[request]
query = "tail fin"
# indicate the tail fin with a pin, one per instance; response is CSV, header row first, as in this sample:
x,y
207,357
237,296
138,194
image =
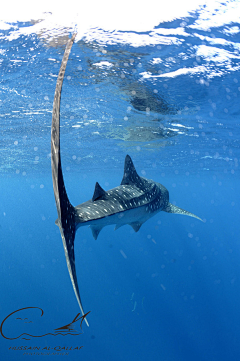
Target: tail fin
x,y
174,209
65,210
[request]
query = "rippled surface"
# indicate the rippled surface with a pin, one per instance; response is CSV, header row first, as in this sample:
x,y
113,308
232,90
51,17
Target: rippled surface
x,y
172,91
161,83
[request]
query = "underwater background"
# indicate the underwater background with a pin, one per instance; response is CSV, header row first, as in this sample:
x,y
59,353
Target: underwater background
x,y
160,83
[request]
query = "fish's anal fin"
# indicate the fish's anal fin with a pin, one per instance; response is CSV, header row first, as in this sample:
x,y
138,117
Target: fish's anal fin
x,y
170,208
136,226
118,226
99,192
95,231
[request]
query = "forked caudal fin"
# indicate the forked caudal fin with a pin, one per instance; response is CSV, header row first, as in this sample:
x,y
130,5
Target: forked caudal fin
x,y
65,210
174,209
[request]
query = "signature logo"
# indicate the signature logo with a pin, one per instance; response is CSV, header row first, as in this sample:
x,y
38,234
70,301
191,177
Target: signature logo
x,y
16,322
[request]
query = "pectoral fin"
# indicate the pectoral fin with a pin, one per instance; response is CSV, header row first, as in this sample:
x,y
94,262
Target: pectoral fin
x,y
174,209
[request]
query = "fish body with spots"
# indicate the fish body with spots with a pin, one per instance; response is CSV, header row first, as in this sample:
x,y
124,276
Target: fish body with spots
x,y
133,202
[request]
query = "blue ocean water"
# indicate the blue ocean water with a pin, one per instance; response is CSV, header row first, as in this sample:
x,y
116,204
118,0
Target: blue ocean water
x,y
171,291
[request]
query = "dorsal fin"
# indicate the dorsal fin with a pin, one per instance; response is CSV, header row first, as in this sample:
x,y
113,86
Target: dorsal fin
x,y
99,192
130,176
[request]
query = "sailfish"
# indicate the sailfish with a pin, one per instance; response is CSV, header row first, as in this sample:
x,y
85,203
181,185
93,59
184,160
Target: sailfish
x,y
133,202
